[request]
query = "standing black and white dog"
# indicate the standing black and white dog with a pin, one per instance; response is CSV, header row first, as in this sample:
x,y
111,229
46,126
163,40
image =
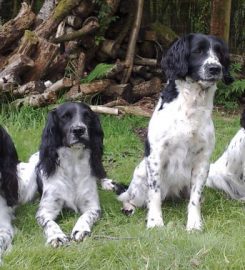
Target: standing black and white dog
x,y
180,136
69,167
17,185
228,172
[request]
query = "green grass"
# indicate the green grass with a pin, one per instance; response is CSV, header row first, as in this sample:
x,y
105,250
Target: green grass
x,y
120,242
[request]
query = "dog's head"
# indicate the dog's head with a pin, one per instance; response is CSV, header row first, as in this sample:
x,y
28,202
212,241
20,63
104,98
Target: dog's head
x,y
71,125
8,168
200,57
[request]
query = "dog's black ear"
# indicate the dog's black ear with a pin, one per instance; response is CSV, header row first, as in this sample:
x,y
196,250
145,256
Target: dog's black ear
x,y
175,62
225,62
96,145
51,140
8,168
242,120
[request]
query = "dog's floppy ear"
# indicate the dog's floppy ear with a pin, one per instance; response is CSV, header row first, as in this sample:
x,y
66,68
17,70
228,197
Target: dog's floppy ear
x,y
51,140
225,62
175,62
8,168
96,145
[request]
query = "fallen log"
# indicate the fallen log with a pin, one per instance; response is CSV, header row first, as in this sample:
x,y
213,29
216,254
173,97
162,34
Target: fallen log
x,y
49,96
145,61
17,65
12,31
104,110
48,27
88,89
88,28
147,88
33,87
134,110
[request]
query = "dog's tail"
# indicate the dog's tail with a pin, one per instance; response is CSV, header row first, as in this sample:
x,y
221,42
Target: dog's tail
x,y
227,183
108,184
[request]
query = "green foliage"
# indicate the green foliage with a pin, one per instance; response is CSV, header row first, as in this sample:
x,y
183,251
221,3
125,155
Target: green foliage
x,y
104,19
228,95
98,72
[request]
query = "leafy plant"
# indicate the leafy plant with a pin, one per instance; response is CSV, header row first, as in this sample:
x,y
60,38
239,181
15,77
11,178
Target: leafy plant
x,y
100,71
228,95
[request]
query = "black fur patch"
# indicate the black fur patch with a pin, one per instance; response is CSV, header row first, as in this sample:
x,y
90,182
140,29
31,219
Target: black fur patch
x,y
8,168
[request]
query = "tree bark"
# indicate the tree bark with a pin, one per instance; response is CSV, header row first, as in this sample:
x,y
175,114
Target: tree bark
x,y
12,31
220,19
132,41
64,7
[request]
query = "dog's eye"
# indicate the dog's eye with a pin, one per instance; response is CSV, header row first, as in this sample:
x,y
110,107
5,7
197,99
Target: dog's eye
x,y
66,116
197,51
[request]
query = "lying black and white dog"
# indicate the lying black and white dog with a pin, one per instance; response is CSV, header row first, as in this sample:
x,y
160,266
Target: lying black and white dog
x,y
69,167
228,172
180,136
17,185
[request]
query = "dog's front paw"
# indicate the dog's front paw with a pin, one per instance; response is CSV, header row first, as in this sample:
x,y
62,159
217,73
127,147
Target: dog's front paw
x,y
154,222
128,209
79,236
58,240
194,224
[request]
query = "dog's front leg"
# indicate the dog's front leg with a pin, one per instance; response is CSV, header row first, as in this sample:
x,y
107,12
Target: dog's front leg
x,y
154,216
49,208
198,180
6,228
84,224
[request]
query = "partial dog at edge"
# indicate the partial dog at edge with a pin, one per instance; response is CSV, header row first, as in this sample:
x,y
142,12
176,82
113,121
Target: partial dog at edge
x,y
180,137
228,172
17,186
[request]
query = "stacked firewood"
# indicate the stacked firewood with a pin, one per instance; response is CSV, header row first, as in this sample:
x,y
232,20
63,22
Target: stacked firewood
x,y
48,55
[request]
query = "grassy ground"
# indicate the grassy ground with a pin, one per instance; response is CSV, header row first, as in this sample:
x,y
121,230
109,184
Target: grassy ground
x,y
119,242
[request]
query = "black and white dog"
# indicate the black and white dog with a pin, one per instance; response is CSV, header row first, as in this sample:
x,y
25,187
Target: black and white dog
x,y
17,185
70,165
228,172
180,137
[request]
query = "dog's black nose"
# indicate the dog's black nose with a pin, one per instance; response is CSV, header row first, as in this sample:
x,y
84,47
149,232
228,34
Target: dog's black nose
x,y
214,69
78,131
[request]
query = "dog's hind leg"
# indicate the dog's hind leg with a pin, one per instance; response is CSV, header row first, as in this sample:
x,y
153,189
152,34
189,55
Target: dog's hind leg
x,y
136,194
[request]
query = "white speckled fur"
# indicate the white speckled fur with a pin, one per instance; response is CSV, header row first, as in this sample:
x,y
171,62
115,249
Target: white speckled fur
x,y
228,172
72,186
181,136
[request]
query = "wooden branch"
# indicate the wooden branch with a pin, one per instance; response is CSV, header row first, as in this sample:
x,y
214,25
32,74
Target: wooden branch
x,y
46,9
64,7
11,31
49,96
145,61
132,42
147,88
134,110
87,89
117,102
74,21
105,110
33,87
88,28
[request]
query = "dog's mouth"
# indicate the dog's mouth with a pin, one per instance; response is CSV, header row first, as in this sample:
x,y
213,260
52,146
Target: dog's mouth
x,y
78,142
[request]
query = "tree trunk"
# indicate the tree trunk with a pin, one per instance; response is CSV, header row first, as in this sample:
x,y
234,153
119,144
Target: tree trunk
x,y
220,19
